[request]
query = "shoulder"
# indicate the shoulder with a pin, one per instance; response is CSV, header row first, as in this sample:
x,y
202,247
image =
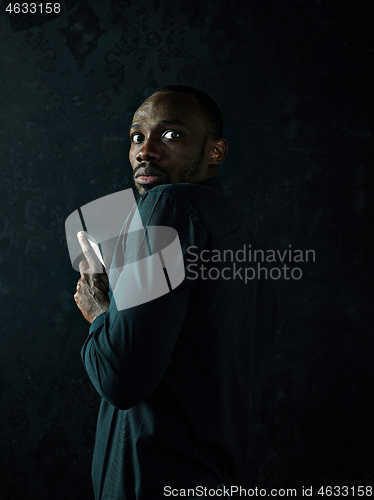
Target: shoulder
x,y
189,196
181,191
168,202
181,204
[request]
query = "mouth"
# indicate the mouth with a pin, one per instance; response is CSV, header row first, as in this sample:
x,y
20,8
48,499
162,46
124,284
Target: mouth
x,y
149,176
149,179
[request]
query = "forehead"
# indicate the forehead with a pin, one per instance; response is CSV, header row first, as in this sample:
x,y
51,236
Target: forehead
x,y
170,106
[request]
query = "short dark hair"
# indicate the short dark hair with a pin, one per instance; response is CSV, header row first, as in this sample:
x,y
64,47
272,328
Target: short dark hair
x,y
211,113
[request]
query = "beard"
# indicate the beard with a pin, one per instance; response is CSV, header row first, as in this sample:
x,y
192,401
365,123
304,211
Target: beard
x,y
190,174
152,168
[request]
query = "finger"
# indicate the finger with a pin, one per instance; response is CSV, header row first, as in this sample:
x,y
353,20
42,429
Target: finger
x,y
92,260
100,285
83,267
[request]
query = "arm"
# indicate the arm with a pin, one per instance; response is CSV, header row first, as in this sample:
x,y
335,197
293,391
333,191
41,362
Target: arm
x,y
127,351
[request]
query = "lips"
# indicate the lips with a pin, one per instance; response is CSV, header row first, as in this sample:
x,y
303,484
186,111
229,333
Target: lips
x,y
149,176
148,179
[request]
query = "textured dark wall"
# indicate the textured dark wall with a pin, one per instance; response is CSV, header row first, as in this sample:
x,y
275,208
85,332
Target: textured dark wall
x,y
294,80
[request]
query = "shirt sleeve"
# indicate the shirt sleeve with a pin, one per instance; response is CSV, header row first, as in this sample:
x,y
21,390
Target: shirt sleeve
x,y
127,351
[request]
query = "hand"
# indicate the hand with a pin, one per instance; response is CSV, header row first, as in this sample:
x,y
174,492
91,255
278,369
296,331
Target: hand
x,y
91,296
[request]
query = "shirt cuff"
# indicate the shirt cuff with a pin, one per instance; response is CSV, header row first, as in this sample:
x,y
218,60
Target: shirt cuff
x,y
97,322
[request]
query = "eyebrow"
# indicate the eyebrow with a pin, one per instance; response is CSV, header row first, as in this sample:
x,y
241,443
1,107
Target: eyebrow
x,y
161,122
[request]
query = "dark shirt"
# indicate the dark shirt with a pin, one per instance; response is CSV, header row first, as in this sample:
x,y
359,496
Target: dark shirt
x,y
176,373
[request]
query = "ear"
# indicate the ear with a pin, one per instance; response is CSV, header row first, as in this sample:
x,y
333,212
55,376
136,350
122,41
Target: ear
x,y
218,152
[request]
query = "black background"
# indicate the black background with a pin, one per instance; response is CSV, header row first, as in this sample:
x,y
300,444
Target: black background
x,y
294,81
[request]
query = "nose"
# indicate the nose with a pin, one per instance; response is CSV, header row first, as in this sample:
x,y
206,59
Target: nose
x,y
148,151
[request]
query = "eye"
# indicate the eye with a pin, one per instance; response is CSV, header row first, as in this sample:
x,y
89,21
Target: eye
x,y
170,134
137,138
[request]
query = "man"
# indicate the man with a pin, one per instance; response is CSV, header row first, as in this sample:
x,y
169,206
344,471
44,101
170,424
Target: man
x,y
176,373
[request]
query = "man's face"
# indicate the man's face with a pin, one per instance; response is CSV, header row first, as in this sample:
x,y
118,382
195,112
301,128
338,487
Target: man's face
x,y
169,141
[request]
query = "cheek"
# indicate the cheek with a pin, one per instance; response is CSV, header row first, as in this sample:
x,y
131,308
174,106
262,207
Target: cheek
x,y
132,158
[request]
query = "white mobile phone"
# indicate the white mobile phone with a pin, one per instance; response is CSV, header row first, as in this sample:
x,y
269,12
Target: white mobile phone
x,y
95,248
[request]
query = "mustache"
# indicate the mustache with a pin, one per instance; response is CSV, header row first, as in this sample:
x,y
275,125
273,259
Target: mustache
x,y
149,169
